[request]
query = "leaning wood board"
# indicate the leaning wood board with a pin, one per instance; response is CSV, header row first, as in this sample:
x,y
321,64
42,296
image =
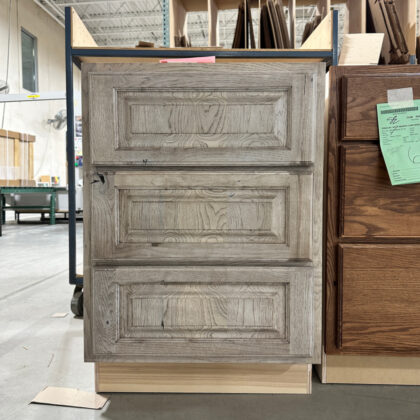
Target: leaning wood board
x,y
203,224
373,235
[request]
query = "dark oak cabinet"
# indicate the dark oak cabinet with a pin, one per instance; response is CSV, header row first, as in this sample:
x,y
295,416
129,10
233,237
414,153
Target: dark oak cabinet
x,y
373,229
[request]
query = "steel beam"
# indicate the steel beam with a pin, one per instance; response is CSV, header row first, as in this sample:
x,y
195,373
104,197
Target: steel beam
x,y
118,16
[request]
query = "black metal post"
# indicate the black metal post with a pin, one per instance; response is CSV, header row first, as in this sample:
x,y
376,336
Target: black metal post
x,y
70,149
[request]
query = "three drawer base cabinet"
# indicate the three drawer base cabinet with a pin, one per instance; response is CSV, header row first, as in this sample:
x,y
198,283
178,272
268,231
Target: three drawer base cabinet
x,y
203,224
372,330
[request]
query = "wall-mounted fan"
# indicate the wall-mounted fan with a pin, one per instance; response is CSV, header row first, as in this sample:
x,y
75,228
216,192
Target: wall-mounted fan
x,y
60,120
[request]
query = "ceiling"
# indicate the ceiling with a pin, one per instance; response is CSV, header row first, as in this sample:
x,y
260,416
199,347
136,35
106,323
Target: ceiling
x,y
124,22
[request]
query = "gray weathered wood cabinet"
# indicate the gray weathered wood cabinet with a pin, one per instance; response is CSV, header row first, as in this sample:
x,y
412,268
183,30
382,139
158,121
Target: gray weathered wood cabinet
x,y
203,212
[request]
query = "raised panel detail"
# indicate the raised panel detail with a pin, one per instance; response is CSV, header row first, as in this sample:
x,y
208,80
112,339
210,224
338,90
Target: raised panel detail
x,y
225,311
370,206
203,228
187,115
192,313
361,95
216,119
204,215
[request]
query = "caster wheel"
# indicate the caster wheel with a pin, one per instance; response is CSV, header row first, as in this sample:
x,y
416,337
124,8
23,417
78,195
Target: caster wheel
x,y
77,301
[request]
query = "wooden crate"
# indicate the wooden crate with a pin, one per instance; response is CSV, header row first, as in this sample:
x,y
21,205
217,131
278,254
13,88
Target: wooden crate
x,y
16,158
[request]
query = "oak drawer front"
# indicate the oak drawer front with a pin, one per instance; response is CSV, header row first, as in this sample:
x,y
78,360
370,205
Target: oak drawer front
x,y
200,314
202,216
370,206
379,298
217,114
361,94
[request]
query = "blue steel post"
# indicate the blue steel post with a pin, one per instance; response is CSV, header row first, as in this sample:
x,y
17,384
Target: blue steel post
x,y
70,149
335,38
165,19
175,53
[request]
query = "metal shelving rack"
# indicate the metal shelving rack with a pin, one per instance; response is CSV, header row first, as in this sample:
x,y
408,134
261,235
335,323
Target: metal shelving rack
x,y
75,55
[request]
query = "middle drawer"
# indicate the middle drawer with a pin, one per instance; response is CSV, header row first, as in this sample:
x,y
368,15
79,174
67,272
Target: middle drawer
x,y
191,216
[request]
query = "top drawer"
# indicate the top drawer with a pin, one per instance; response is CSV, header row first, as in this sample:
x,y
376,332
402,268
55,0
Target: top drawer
x,y
214,114
361,93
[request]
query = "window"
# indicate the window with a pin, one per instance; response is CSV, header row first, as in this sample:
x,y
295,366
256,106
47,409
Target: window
x,y
29,62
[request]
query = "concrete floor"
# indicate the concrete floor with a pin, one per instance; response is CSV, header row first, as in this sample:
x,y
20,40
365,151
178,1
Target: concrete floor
x,y
37,350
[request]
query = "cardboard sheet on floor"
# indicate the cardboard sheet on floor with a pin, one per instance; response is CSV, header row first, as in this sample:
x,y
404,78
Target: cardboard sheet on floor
x,y
59,315
70,397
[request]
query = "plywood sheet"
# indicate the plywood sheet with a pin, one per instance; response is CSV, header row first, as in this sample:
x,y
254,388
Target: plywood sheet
x,y
361,49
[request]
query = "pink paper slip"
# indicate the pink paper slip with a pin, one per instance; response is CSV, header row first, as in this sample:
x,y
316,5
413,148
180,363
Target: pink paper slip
x,y
211,59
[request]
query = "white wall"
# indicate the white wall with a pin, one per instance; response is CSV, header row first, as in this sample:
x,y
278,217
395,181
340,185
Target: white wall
x,y
49,149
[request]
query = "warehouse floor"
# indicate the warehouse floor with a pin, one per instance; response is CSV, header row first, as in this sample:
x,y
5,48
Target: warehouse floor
x,y
37,350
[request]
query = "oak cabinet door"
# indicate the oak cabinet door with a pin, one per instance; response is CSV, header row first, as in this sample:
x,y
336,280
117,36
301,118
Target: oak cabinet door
x,y
379,298
200,314
184,115
361,93
189,216
370,207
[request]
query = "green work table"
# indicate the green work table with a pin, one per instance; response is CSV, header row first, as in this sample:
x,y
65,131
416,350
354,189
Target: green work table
x,y
26,190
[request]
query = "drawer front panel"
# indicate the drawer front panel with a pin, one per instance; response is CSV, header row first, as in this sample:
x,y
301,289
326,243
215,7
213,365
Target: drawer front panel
x,y
379,298
370,206
201,313
361,94
194,114
208,216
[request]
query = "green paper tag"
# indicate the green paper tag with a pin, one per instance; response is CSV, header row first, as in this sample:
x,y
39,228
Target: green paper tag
x,y
399,134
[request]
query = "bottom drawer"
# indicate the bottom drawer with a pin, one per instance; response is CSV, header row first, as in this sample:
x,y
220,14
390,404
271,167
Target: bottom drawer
x,y
379,299
196,314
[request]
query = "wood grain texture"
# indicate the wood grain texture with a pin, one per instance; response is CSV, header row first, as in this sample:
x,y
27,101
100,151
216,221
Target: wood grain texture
x,y
80,35
374,370
185,115
321,37
370,207
351,214
216,119
205,314
362,92
184,212
204,378
379,306
361,49
198,216
356,10
213,22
